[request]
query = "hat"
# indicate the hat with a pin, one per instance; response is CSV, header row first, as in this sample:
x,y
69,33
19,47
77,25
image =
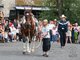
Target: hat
x,y
55,19
45,20
72,24
63,16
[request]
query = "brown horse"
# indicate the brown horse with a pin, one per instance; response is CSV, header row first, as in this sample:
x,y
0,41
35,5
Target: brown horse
x,y
28,31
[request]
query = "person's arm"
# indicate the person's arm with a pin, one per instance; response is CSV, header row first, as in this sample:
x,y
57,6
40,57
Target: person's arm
x,y
59,28
71,28
3,32
79,30
66,28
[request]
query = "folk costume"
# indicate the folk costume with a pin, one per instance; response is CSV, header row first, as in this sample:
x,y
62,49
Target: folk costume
x,y
62,29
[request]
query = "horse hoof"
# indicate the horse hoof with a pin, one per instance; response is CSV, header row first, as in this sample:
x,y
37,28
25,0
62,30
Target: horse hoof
x,y
29,41
29,52
32,50
24,53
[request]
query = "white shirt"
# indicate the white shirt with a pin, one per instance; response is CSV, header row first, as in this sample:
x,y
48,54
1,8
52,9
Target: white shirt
x,y
54,31
46,30
76,29
51,26
13,30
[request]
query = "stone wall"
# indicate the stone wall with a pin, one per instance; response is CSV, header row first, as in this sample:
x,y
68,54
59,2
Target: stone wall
x,y
0,5
8,5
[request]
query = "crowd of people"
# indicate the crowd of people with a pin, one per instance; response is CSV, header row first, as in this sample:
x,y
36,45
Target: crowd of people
x,y
56,26
9,30
61,31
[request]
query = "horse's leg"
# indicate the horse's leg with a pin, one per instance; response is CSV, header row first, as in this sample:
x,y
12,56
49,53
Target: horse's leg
x,y
24,45
28,46
33,44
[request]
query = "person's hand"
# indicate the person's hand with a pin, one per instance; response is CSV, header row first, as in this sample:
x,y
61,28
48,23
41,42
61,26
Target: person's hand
x,y
79,30
42,35
66,33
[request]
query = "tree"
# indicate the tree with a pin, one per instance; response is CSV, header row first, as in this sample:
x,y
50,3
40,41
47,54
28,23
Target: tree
x,y
71,8
49,14
59,6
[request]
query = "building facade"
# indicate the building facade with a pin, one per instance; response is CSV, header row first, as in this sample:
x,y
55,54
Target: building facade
x,y
17,7
7,6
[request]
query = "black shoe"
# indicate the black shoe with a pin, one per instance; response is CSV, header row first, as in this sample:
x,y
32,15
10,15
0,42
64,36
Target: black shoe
x,y
43,54
24,53
62,46
46,55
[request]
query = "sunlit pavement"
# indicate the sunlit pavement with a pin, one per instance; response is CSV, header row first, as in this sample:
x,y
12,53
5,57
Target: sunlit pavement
x,y
13,51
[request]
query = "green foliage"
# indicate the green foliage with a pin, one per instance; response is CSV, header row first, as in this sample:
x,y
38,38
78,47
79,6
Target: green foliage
x,y
71,8
49,14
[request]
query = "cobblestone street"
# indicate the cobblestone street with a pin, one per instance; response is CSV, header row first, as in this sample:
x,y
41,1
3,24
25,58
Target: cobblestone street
x,y
13,51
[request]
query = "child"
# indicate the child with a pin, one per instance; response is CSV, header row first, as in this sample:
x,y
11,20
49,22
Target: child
x,y
46,38
69,34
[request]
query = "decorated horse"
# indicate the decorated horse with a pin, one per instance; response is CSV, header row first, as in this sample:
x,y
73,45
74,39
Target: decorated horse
x,y
28,31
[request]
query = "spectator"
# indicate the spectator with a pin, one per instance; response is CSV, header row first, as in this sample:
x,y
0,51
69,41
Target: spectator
x,y
79,36
13,32
15,23
51,25
68,34
76,32
73,40
55,22
54,34
40,29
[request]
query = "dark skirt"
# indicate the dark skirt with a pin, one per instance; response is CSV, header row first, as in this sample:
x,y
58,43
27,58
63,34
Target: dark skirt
x,y
46,44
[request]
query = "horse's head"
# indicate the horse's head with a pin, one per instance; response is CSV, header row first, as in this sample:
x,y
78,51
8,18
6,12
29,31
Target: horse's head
x,y
28,14
28,17
28,26
28,20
